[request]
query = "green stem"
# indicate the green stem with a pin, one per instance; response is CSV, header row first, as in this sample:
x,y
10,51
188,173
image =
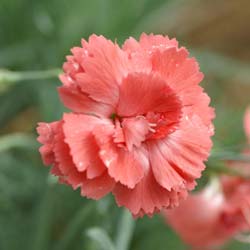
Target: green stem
x,y
216,168
126,227
12,77
101,238
74,227
217,164
17,140
229,156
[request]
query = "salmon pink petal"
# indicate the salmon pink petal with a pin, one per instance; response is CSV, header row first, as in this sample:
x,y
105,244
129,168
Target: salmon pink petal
x,y
74,99
63,166
182,153
62,153
138,57
147,197
66,80
196,101
98,187
104,69
47,131
75,178
83,148
131,45
47,154
164,172
72,67
78,54
140,52
247,124
135,131
183,76
100,183
98,90
98,167
149,42
124,166
56,153
152,41
178,70
141,93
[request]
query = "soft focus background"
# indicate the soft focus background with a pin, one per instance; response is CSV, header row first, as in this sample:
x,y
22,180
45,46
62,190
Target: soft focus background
x,y
36,213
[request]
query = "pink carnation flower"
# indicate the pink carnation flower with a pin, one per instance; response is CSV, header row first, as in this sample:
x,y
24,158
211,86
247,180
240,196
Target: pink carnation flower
x,y
221,211
198,220
213,216
140,127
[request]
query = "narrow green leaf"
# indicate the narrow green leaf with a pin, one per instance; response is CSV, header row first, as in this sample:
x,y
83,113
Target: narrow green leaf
x,y
126,227
101,238
229,156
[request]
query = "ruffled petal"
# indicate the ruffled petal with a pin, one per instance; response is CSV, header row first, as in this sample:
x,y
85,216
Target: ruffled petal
x,y
140,51
195,101
178,70
72,67
83,148
149,42
181,154
62,154
183,76
148,197
63,166
74,99
135,131
141,93
47,154
138,57
124,166
95,182
98,187
47,132
152,41
105,65
164,172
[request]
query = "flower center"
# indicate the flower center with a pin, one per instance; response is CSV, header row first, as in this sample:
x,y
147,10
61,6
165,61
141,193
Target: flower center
x,y
132,131
148,108
114,116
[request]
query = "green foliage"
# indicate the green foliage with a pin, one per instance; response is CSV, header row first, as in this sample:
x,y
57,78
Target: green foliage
x,y
36,213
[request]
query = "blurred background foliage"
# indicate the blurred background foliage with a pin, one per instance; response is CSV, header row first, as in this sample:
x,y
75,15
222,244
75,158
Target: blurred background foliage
x,y
35,212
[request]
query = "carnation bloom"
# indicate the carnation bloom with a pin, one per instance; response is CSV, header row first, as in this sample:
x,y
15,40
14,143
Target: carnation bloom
x,y
140,125
214,215
198,219
220,211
